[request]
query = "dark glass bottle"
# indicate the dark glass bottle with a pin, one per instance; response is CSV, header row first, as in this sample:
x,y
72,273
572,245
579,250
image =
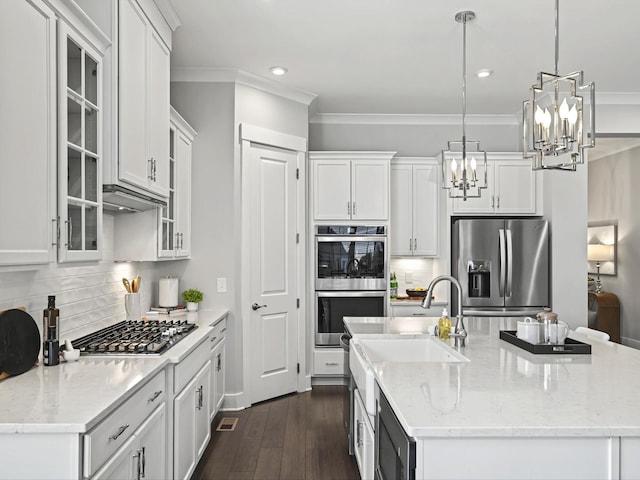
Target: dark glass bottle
x,y
51,344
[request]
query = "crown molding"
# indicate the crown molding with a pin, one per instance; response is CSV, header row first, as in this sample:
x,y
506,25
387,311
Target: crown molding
x,y
234,75
410,119
169,13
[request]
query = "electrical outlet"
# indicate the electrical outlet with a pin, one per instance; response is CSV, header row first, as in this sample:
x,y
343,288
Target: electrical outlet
x,y
408,277
221,284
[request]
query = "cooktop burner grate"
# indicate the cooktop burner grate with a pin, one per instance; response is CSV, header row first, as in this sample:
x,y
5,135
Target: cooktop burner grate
x,y
134,337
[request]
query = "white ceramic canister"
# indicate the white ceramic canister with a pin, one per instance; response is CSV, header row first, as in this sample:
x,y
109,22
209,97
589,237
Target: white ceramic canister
x,y
168,292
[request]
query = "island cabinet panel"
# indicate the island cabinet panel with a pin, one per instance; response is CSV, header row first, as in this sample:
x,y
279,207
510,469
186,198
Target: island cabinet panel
x,y
512,458
629,457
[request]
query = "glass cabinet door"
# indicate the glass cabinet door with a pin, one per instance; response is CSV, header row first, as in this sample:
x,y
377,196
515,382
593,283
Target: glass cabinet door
x,y
80,152
169,237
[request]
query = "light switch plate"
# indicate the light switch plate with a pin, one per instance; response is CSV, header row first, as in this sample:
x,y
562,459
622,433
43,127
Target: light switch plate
x,y
221,284
408,277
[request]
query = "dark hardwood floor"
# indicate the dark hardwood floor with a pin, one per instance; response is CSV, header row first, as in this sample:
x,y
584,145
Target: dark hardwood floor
x,y
294,437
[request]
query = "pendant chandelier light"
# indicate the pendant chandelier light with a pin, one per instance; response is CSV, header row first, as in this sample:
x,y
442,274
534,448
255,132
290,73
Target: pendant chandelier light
x,y
460,161
555,130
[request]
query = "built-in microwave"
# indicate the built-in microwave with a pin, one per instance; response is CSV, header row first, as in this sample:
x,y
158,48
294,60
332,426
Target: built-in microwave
x,y
332,306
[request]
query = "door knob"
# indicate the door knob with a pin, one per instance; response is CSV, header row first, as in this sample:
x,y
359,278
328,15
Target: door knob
x,y
255,306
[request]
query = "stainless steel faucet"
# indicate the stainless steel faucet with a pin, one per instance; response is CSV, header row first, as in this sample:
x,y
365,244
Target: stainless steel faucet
x,y
460,334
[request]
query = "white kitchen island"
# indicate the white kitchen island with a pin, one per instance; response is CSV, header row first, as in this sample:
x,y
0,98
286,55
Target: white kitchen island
x,y
507,413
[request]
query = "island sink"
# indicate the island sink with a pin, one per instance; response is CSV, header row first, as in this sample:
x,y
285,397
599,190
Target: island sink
x,y
415,349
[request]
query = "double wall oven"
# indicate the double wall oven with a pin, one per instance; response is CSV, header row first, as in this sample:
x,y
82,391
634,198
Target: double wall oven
x,y
351,277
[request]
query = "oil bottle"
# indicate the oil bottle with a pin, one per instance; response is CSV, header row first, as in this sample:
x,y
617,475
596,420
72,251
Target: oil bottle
x,y
444,325
51,344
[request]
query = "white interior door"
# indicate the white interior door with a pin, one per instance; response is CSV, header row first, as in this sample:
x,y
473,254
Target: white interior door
x,y
274,287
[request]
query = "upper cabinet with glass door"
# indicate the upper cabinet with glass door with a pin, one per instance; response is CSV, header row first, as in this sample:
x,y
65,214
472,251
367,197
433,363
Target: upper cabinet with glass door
x,y
80,147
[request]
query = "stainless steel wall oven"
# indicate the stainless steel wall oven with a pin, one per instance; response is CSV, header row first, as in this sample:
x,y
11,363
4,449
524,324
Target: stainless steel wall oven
x,y
351,277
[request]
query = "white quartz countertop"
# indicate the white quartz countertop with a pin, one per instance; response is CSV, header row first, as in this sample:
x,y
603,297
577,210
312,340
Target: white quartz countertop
x,y
75,396
506,391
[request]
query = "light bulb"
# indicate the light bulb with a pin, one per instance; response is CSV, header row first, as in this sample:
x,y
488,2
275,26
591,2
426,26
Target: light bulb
x,y
539,116
564,110
573,115
473,164
454,169
546,121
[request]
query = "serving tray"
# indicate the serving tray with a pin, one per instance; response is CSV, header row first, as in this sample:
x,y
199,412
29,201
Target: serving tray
x,y
570,345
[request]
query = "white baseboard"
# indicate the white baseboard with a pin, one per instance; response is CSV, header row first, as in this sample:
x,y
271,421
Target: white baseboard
x,y
329,381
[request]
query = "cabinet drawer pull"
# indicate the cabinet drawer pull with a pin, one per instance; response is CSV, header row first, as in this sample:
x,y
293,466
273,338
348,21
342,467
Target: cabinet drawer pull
x,y
120,432
223,330
154,396
213,339
219,366
332,364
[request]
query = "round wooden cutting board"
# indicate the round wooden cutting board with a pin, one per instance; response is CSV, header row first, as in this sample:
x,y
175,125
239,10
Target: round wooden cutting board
x,y
19,342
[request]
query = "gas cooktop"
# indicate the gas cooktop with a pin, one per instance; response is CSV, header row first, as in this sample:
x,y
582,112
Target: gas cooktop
x,y
134,337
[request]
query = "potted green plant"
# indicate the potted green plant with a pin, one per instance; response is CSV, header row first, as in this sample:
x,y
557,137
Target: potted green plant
x,y
192,297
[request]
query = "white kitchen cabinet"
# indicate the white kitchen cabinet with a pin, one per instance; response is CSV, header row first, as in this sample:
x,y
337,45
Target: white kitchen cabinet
x,y
174,225
364,447
330,362
163,233
350,185
27,141
105,443
143,455
191,423
143,101
216,383
414,228
512,188
80,76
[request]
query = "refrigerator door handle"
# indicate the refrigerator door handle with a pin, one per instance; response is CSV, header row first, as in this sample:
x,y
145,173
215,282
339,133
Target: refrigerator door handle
x,y
509,291
503,265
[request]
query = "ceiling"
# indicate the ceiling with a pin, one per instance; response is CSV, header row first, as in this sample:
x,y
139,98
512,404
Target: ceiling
x,y
405,56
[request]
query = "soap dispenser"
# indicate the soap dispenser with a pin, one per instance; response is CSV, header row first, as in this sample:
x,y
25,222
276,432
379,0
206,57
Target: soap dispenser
x,y
444,325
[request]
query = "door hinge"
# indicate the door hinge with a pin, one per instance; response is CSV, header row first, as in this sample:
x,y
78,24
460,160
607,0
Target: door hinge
x,y
297,302
298,368
297,174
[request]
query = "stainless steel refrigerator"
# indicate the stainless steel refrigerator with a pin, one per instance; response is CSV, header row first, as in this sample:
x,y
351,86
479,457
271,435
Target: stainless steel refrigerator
x,y
502,265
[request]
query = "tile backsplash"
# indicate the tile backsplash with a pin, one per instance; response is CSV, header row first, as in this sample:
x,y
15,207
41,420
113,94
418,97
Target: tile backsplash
x,y
89,294
417,273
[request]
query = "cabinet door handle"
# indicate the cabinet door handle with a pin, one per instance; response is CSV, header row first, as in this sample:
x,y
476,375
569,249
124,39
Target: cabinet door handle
x,y
348,208
213,339
354,208
55,234
219,366
138,468
498,201
181,240
331,364
358,436
154,396
150,162
155,164
415,244
119,432
493,198
223,330
69,223
144,461
410,245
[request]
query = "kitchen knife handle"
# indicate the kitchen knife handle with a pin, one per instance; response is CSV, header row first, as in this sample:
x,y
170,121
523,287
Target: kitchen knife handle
x,y
503,259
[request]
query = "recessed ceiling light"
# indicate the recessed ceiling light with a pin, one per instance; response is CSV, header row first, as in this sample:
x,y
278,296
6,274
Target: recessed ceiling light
x,y
277,70
485,72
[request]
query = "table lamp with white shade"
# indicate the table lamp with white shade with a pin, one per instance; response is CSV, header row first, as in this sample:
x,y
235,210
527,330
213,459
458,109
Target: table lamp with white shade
x,y
598,252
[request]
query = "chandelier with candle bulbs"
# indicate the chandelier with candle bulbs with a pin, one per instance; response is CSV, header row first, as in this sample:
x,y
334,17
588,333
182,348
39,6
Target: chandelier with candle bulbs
x,y
555,130
462,159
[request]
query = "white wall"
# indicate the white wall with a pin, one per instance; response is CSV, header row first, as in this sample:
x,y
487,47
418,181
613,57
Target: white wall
x,y
612,190
215,111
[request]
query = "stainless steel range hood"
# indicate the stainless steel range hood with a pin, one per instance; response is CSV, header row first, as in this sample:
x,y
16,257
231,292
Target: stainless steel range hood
x,y
119,199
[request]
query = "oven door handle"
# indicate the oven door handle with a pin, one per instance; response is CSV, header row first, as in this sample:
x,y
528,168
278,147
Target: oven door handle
x,y
351,294
346,238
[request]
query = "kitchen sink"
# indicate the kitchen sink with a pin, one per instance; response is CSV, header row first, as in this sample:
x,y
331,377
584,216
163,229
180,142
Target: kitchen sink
x,y
422,349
